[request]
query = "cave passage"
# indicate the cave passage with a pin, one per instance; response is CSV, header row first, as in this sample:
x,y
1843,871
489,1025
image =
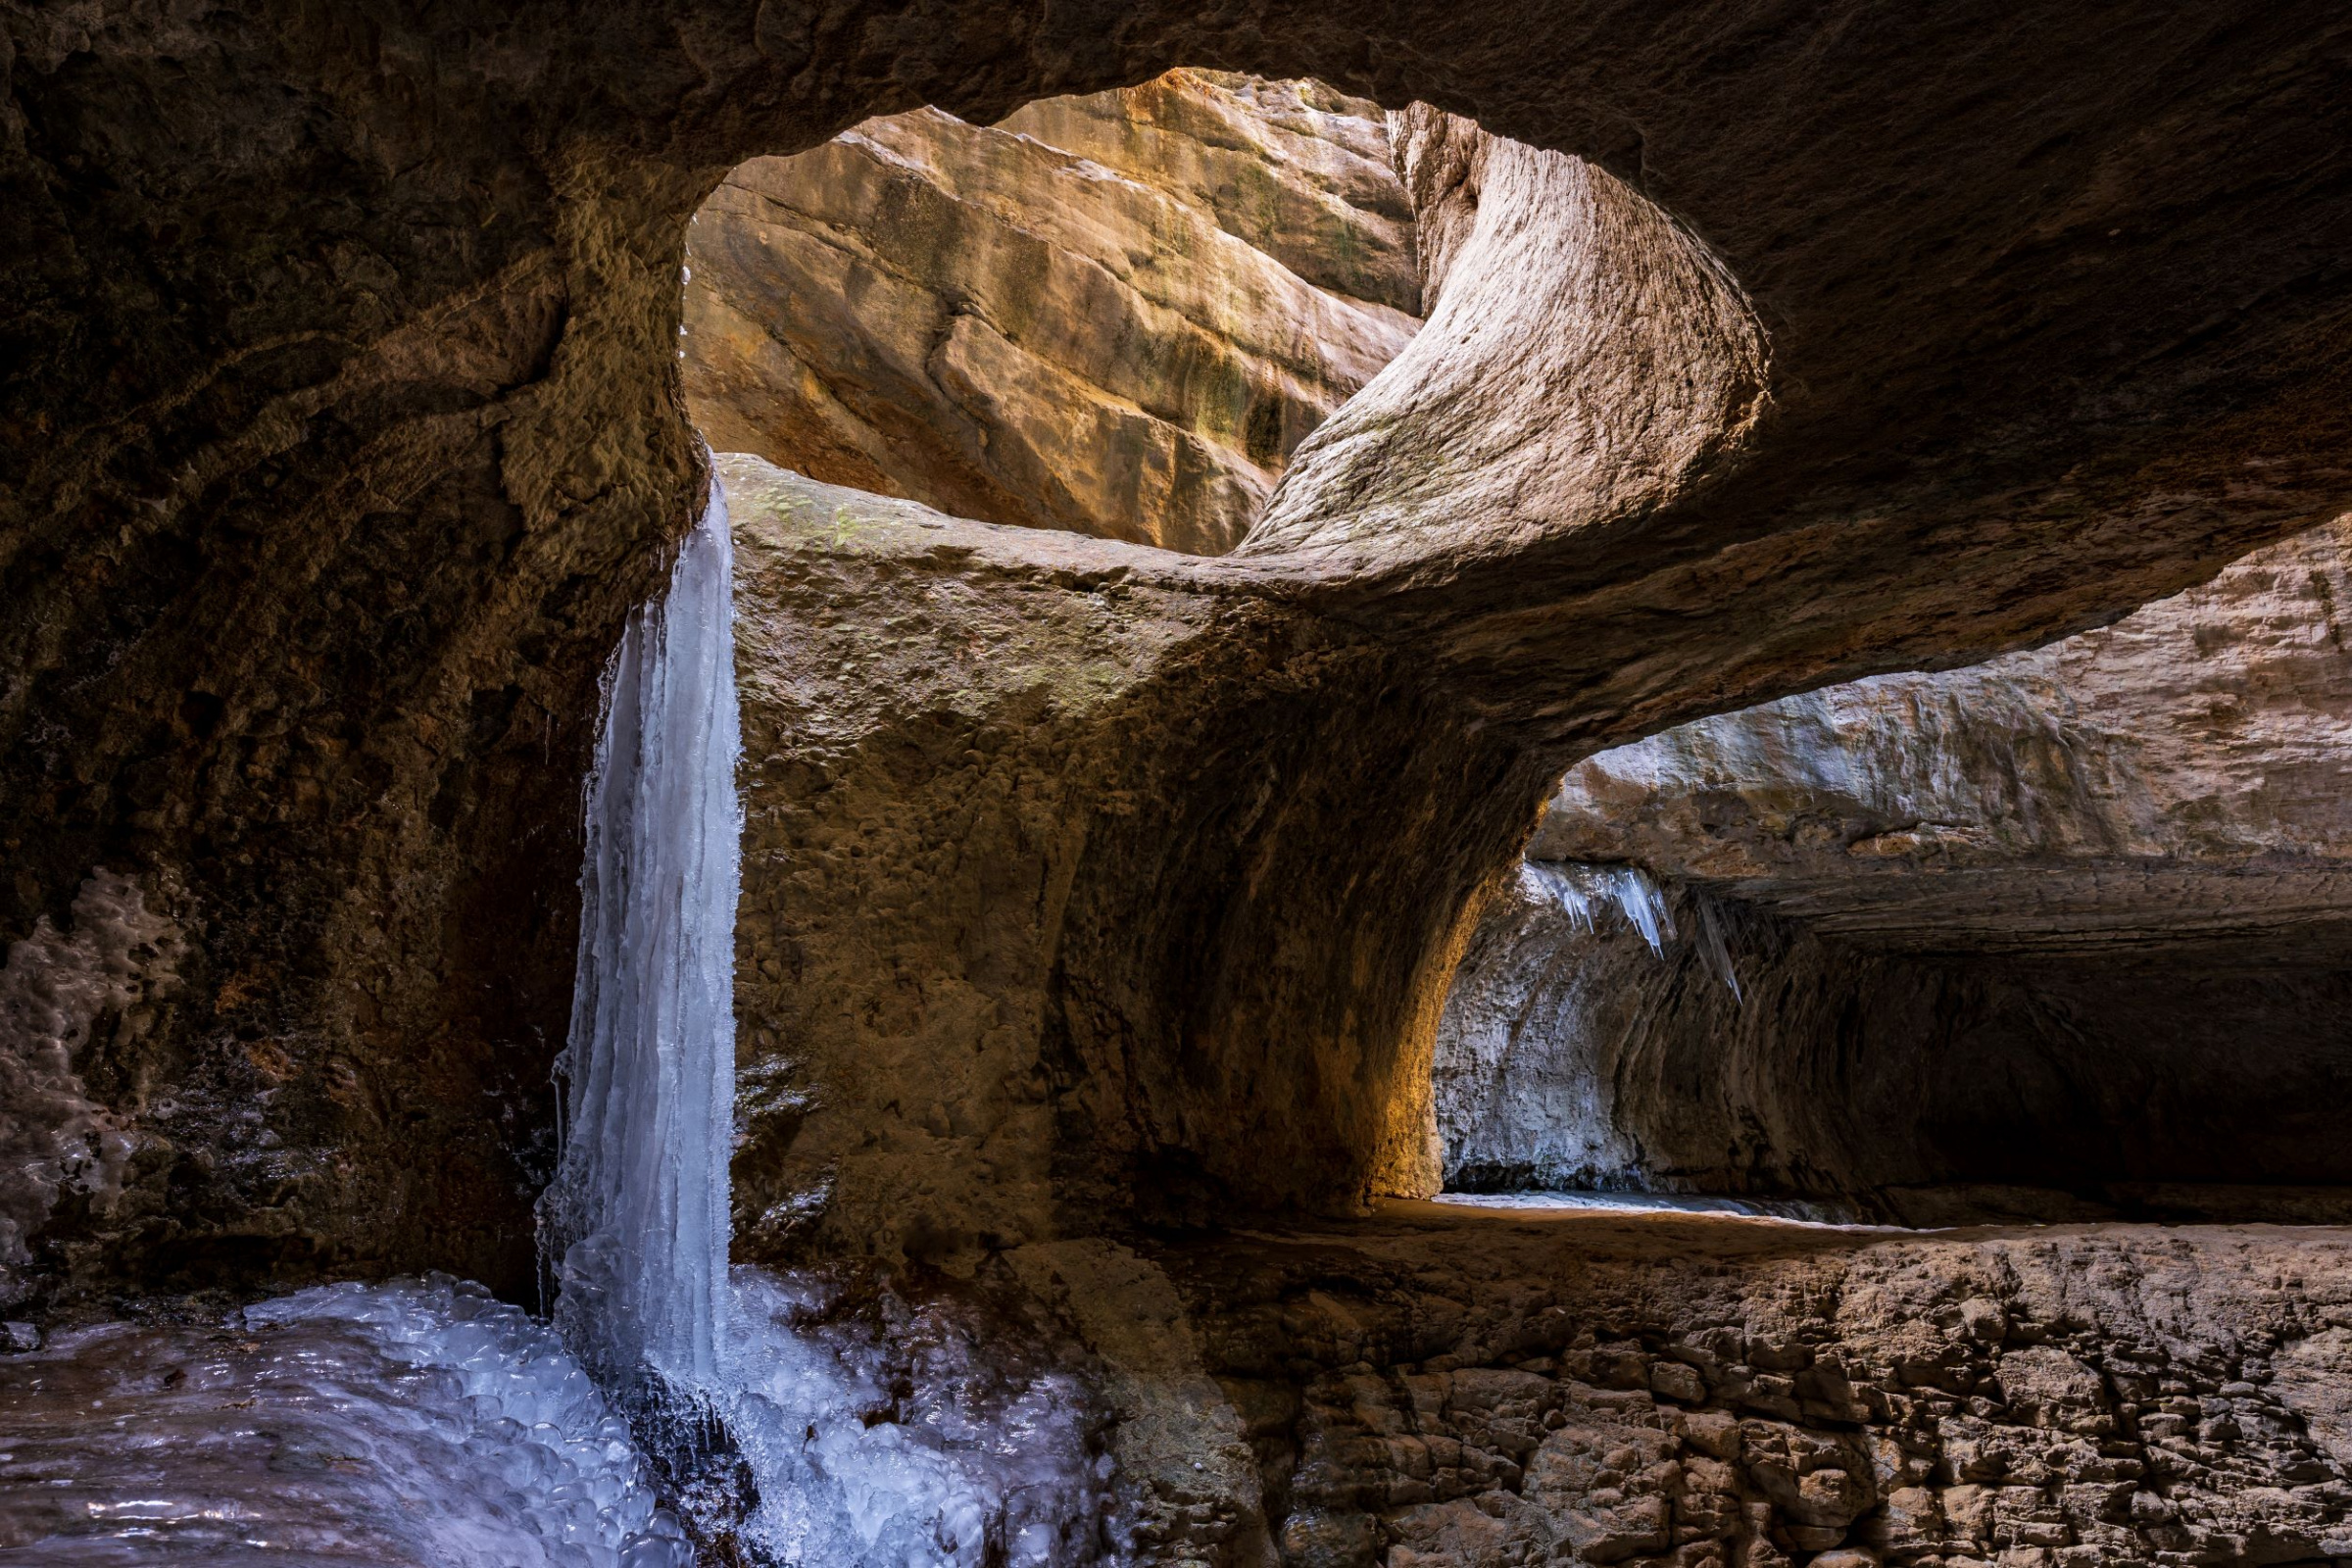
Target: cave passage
x,y
2061,936
1555,790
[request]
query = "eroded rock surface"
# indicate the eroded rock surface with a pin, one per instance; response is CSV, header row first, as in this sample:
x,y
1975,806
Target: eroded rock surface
x,y
1424,1390
2183,775
959,1030
344,429
2073,921
1115,315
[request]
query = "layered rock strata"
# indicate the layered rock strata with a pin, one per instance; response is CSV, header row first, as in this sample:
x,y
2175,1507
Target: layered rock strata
x,y
1115,315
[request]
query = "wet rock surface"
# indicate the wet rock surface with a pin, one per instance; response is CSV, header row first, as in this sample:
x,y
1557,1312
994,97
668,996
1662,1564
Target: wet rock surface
x,y
1115,315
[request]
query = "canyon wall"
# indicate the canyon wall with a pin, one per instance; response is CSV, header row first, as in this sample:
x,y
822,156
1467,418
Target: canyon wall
x,y
1115,315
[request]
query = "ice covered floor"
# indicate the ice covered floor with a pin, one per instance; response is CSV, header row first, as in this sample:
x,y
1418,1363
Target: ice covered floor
x,y
420,1423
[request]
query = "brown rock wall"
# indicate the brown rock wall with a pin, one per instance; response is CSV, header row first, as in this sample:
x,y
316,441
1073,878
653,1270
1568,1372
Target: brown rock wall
x,y
1121,337
2071,920
988,994
1427,1390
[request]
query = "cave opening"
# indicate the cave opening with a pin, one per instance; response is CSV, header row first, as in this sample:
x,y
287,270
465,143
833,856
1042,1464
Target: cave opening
x,y
1115,315
2050,938
1145,703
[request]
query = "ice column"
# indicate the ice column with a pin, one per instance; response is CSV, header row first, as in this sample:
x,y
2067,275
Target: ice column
x,y
635,1222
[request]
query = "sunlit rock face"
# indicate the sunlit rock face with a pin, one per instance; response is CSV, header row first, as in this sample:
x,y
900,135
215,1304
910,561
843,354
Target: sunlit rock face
x,y
976,759
2072,922
1115,315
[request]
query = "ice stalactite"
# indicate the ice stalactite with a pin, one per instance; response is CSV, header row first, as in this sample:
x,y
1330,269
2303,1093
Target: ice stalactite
x,y
811,1434
1579,889
636,1219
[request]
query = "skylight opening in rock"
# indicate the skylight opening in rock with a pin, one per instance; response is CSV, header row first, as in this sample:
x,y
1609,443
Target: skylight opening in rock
x,y
1113,315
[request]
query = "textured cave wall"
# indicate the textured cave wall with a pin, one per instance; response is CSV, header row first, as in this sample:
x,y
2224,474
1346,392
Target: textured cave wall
x,y
1930,1088
1115,315
995,984
344,428
2075,919
1428,1390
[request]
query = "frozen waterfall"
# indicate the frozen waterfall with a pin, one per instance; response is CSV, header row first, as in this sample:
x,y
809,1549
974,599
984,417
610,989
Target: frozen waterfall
x,y
636,1219
814,1436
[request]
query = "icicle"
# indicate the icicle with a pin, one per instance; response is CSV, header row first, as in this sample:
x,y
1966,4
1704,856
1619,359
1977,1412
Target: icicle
x,y
1715,950
635,1222
1576,890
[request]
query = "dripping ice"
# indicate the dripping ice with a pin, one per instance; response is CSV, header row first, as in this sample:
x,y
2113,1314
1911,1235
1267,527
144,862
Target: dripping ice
x,y
1579,889
861,1442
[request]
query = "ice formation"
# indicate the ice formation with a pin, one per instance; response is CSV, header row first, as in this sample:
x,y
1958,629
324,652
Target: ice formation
x,y
55,987
421,1422
636,1218
904,1440
812,1435
1788,1210
1579,889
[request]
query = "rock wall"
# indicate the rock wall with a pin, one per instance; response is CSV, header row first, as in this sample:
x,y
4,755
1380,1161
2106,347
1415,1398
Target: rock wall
x,y
2058,934
2183,775
1421,1391
1115,315
986,995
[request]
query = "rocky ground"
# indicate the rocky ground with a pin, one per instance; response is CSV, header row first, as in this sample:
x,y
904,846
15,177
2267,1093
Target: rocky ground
x,y
1433,1387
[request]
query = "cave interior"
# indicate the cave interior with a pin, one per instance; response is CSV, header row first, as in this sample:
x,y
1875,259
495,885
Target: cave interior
x,y
998,784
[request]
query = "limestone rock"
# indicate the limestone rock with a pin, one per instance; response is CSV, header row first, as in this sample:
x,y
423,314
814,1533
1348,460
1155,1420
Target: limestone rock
x,y
2183,774
344,428
2052,933
2204,1349
1115,315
